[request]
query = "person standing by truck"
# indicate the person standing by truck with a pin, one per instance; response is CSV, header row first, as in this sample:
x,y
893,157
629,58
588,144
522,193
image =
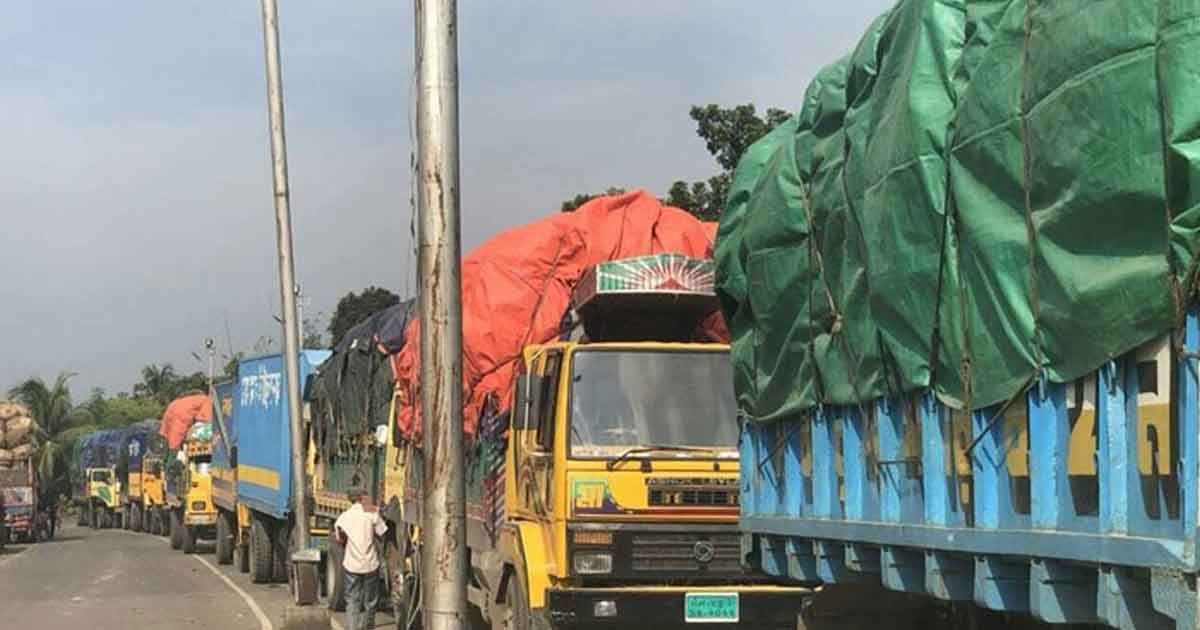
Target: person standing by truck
x,y
358,530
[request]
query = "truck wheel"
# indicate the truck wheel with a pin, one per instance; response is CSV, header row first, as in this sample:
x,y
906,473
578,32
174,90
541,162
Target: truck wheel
x,y
261,556
135,518
188,534
82,522
224,539
516,614
335,579
176,530
241,557
93,517
105,518
282,554
156,522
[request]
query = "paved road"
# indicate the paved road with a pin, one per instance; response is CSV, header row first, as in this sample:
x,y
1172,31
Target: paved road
x,y
115,580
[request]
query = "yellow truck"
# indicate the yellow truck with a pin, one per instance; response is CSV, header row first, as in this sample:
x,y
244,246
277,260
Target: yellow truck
x,y
136,443
103,497
191,513
154,494
608,494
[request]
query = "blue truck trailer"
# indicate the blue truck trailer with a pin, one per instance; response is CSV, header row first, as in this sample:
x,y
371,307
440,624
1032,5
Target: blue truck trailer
x,y
264,464
224,476
962,286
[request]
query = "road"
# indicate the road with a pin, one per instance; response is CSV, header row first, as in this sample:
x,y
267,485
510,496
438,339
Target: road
x,y
115,580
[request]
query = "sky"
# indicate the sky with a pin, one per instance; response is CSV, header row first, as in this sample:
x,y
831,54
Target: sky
x,y
136,216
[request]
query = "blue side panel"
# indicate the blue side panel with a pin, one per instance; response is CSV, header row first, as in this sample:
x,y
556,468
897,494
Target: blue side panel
x,y
223,444
263,431
1072,503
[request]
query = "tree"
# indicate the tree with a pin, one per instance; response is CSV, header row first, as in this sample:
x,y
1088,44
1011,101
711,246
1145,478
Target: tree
x,y
727,133
311,332
582,198
51,408
158,382
354,308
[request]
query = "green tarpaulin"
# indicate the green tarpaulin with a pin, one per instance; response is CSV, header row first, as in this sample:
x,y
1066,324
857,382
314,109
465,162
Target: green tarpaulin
x,y
981,192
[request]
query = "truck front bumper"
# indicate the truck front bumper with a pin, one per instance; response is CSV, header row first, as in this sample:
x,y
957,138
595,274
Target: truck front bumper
x,y
200,519
764,607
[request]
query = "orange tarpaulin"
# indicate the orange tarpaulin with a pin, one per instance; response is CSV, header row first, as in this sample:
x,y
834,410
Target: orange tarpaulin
x,y
517,286
181,414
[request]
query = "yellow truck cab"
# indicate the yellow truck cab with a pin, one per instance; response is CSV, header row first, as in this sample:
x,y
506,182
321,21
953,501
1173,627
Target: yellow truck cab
x,y
154,498
609,496
103,496
192,513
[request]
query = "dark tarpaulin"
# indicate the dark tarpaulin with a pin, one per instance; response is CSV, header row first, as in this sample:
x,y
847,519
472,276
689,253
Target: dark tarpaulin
x,y
385,328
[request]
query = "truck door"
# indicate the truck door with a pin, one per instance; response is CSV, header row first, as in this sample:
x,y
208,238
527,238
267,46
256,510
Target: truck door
x,y
536,403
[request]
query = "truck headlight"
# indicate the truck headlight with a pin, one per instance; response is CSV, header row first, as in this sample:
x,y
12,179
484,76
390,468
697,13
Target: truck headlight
x,y
198,506
593,563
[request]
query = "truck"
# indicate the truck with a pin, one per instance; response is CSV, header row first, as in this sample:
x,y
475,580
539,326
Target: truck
x,y
154,485
25,514
190,512
98,492
224,479
602,486
961,287
262,459
137,442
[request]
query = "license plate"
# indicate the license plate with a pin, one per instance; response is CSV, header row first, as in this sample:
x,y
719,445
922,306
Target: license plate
x,y
710,608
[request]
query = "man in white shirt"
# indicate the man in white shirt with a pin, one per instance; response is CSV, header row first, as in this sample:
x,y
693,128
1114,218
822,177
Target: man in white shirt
x,y
358,530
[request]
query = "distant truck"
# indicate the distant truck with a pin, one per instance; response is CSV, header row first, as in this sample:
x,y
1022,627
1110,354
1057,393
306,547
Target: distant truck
x,y
224,480
24,516
137,442
99,490
190,512
264,475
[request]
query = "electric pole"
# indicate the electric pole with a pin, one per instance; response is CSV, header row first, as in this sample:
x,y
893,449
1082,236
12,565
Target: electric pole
x,y
287,271
445,559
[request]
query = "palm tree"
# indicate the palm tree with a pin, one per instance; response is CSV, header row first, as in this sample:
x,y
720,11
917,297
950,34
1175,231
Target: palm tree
x,y
51,408
158,382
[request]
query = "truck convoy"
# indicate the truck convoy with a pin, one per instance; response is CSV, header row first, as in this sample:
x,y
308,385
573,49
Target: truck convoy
x,y
598,404
961,286
23,514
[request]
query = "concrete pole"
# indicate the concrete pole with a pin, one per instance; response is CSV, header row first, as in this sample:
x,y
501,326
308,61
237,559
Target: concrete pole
x,y
444,574
287,270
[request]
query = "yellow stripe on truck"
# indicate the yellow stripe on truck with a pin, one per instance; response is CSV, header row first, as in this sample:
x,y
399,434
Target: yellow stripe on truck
x,y
264,477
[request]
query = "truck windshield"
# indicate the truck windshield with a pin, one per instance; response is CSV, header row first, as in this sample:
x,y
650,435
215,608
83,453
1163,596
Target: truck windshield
x,y
17,496
628,398
101,476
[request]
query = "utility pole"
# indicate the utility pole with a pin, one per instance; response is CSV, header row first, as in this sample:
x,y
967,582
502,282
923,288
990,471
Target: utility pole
x,y
287,270
444,572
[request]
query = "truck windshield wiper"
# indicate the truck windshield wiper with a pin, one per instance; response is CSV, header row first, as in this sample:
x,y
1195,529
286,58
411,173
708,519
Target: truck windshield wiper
x,y
652,448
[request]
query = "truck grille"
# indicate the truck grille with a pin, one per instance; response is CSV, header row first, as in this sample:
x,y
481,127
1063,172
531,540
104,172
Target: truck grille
x,y
682,554
692,497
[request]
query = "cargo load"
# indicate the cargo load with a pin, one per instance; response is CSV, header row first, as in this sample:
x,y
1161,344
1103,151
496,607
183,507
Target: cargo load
x,y
961,285
181,414
517,289
970,199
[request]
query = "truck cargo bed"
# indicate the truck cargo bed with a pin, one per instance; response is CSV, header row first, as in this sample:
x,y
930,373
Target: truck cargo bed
x,y
971,508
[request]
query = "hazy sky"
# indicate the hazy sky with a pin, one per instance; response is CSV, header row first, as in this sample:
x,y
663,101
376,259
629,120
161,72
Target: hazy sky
x,y
135,194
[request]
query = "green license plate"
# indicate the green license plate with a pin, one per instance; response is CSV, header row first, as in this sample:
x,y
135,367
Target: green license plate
x,y
710,608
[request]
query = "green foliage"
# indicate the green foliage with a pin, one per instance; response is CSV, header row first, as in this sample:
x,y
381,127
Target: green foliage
x,y
51,408
727,133
580,199
231,367
123,410
354,308
311,332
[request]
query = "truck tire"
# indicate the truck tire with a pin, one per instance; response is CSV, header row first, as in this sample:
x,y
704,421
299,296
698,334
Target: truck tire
x,y
157,524
281,539
262,558
224,539
82,522
188,534
176,530
241,556
135,518
106,518
335,578
93,517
